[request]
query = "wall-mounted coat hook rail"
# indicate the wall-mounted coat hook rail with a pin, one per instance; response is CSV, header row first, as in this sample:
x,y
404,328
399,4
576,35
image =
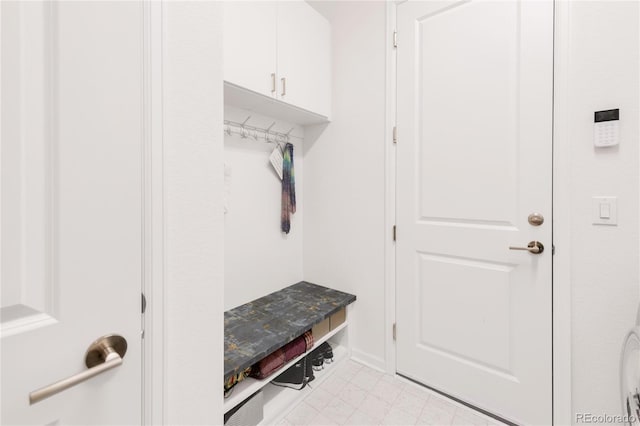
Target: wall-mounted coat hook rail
x,y
245,130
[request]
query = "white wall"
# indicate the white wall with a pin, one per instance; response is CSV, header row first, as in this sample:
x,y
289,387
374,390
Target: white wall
x,y
603,73
259,258
194,231
345,176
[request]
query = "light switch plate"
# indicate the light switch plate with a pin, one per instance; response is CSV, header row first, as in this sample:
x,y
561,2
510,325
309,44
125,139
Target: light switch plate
x,y
605,210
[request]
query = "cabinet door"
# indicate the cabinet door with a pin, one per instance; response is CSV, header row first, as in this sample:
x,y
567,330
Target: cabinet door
x,y
250,44
304,59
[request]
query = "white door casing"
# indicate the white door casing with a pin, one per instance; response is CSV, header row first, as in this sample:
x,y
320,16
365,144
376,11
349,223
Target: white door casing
x,y
474,159
72,114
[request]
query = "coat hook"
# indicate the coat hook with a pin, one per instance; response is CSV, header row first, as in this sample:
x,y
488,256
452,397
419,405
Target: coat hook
x,y
288,134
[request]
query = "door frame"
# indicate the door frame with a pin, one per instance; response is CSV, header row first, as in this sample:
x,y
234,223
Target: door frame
x,y
153,344
561,282
561,311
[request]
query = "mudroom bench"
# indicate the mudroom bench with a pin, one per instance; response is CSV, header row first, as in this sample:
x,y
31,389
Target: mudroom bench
x,y
256,329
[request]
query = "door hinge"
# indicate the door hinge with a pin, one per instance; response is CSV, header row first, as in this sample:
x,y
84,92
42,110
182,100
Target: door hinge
x,y
394,232
394,331
553,249
395,134
395,39
144,303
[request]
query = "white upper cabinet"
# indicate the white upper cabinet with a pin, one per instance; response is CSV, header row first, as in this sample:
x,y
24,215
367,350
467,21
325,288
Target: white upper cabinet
x,y
304,57
250,45
281,50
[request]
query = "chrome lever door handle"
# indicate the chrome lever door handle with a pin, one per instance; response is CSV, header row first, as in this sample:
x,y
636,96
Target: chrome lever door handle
x,y
103,355
534,247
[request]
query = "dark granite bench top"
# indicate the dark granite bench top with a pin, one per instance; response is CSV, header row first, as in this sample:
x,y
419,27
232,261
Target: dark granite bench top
x,y
256,329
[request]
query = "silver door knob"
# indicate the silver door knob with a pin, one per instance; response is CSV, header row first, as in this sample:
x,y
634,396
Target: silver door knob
x,y
534,247
103,355
535,219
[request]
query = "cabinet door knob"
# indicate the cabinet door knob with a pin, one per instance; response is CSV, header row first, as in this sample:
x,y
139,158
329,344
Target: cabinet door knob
x,y
284,86
273,83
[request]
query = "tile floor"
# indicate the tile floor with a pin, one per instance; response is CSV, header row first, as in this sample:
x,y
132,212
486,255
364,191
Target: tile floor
x,y
359,395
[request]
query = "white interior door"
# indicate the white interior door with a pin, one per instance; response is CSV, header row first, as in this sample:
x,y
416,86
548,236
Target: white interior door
x,y
71,205
474,161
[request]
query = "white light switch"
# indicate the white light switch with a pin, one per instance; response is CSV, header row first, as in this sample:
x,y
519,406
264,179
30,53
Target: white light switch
x,y
605,210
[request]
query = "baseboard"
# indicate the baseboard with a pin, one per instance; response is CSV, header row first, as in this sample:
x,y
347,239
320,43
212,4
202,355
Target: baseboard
x,y
369,360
